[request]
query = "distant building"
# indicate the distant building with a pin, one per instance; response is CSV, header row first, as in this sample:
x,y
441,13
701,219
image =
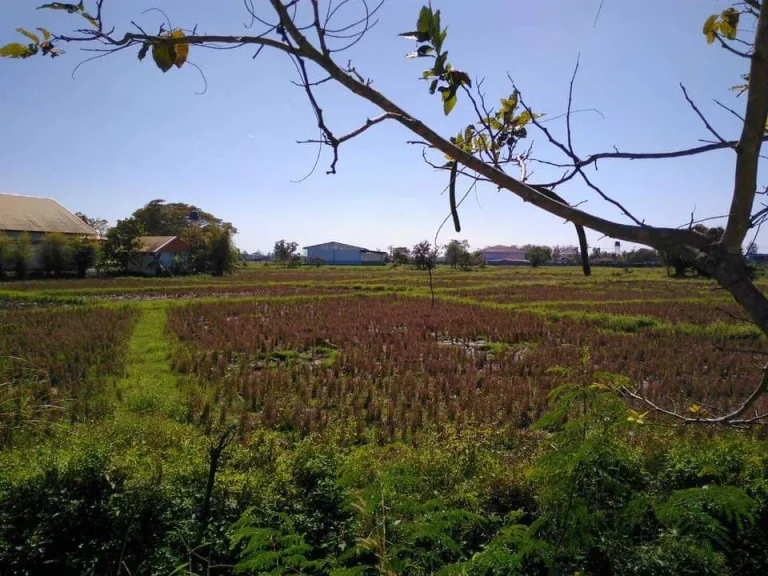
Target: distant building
x,y
157,253
567,255
504,255
39,216
604,260
336,253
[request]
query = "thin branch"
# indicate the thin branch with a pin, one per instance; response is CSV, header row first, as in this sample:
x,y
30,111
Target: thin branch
x,y
731,49
733,418
314,166
568,110
731,110
700,115
568,151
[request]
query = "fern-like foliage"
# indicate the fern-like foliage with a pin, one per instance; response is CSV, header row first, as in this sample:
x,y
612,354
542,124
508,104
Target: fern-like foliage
x,y
710,513
269,550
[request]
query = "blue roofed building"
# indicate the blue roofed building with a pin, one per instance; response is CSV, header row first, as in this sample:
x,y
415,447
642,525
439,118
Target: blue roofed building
x,y
338,254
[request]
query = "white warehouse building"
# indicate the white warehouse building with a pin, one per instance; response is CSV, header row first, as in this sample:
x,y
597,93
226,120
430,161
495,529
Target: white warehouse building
x,y
336,253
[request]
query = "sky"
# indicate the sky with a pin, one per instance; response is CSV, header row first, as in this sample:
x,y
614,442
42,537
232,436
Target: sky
x,y
121,133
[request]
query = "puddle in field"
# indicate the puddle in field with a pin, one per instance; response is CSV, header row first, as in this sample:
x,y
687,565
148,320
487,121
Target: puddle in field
x,y
489,349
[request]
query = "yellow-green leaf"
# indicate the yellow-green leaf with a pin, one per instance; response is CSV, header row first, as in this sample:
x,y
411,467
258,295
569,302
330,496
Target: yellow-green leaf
x,y
164,56
637,417
182,50
729,23
91,19
17,50
509,104
34,37
710,27
523,119
449,103
46,34
695,409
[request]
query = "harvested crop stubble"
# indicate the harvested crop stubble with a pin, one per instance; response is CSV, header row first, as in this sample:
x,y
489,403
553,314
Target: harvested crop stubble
x,y
394,365
597,292
701,313
57,363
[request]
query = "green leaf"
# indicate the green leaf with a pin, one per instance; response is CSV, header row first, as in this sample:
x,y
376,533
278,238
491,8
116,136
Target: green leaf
x,y
144,50
34,37
46,34
70,8
710,27
182,50
436,32
433,86
424,24
164,57
17,50
439,68
422,52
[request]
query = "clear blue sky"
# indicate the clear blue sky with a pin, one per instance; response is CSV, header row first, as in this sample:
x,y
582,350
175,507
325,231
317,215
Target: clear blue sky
x,y
122,133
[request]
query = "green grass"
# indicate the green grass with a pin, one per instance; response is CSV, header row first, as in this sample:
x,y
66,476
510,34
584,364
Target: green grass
x,y
150,386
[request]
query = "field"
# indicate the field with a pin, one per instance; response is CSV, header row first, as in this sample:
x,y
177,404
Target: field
x,y
335,421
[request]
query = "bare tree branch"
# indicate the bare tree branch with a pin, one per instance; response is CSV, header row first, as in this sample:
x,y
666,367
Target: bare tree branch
x,y
732,418
700,115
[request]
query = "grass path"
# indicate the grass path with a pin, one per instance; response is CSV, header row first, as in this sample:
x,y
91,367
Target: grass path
x,y
150,386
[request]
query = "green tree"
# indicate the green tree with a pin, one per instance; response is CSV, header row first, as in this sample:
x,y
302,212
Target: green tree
x,y
641,256
284,253
455,252
54,254
223,257
538,255
122,246
423,256
5,247
401,255
197,240
172,219
18,255
83,253
98,224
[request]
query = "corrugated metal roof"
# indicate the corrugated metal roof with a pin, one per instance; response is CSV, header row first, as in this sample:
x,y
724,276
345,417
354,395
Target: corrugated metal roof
x,y
334,246
154,243
34,214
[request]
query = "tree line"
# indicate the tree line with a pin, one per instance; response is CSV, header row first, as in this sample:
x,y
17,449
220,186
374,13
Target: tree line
x,y
118,249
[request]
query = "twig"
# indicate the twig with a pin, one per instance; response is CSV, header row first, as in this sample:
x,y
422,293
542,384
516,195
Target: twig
x,y
700,115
